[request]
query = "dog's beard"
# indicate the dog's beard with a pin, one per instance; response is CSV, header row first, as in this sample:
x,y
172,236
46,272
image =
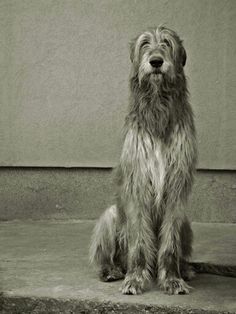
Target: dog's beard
x,y
159,77
156,77
151,79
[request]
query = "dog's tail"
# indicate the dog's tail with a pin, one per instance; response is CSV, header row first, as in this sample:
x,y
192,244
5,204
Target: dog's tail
x,y
222,270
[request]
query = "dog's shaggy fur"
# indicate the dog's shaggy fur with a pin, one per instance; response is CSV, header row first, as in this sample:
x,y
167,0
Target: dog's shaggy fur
x,y
147,232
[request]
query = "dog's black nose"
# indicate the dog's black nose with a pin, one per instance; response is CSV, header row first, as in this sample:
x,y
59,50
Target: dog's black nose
x,y
156,62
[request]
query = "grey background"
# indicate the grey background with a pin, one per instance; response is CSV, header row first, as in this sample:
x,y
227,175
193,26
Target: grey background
x,y
64,69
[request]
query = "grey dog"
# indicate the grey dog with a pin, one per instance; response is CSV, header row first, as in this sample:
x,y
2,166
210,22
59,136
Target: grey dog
x,y
146,234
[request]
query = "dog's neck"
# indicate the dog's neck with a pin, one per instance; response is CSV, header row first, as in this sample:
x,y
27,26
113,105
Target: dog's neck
x,y
154,104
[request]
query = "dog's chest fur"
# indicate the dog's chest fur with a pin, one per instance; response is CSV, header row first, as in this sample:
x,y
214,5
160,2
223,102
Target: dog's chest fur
x,y
143,162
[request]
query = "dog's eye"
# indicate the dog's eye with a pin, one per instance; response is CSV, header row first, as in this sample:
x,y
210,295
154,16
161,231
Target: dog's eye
x,y
144,43
167,42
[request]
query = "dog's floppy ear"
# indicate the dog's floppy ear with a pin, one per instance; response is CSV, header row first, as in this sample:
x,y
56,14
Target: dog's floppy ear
x,y
183,56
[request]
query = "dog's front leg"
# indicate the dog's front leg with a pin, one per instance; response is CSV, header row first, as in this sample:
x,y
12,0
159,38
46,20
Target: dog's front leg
x,y
141,250
170,253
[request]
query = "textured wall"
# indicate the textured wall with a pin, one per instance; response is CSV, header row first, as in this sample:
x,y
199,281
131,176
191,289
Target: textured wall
x,y
85,193
64,70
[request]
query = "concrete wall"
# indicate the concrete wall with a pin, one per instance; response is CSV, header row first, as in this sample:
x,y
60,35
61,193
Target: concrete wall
x,y
85,193
64,70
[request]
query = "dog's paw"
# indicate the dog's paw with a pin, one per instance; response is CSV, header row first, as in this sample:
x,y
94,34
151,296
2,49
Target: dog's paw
x,y
111,274
175,286
132,285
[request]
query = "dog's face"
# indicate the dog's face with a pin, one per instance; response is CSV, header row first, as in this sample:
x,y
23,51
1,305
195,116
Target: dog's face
x,y
157,54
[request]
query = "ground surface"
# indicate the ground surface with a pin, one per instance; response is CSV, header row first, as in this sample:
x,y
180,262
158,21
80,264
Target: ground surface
x,y
44,269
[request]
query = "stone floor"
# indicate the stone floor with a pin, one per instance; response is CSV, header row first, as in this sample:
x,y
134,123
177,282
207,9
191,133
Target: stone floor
x,y
44,269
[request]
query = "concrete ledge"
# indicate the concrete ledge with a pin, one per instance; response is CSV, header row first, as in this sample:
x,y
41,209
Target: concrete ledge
x,y
84,193
44,269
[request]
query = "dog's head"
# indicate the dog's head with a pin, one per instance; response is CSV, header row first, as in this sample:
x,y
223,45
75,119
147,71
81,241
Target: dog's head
x,y
157,54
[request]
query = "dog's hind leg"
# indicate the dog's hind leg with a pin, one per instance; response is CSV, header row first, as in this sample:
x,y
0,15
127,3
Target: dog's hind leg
x,y
105,249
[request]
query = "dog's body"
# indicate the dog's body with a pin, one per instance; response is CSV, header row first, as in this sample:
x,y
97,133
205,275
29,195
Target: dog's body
x,y
147,232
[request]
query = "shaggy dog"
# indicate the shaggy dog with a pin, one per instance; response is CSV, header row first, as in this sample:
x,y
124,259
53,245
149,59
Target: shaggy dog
x,y
147,234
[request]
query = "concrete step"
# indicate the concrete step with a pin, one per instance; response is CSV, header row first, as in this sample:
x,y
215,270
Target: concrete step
x,y
44,269
84,193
